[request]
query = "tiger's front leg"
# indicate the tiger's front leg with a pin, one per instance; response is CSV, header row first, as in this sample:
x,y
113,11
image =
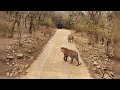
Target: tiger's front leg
x,y
65,58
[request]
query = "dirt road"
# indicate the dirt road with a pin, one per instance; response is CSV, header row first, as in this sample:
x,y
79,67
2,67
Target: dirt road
x,y
50,63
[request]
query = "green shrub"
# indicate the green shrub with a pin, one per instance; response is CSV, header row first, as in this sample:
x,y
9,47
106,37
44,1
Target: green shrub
x,y
78,27
48,22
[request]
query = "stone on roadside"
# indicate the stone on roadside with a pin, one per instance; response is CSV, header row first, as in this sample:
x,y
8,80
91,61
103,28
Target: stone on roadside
x,y
98,67
26,66
92,60
15,74
11,75
106,76
10,57
95,63
13,51
29,51
7,73
20,56
7,51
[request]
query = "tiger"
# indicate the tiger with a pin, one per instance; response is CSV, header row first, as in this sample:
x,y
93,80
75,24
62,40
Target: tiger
x,y
70,53
70,38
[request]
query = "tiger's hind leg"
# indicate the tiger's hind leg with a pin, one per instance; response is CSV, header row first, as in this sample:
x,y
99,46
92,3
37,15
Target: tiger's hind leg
x,y
78,61
71,60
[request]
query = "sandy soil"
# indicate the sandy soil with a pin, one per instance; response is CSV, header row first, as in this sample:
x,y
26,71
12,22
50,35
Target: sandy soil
x,y
3,65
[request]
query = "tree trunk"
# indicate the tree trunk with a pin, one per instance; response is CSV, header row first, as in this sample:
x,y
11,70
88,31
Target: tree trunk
x,y
12,29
